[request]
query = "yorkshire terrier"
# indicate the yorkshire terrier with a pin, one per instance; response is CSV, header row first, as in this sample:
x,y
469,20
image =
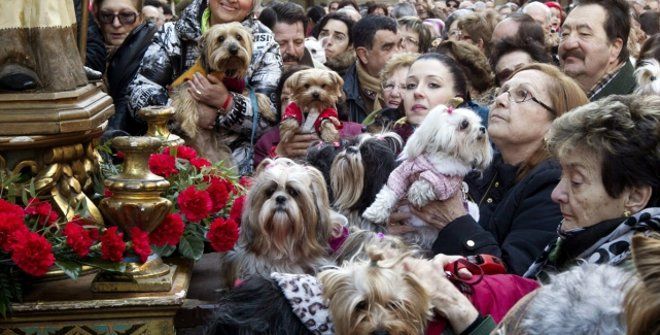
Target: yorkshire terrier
x,y
315,93
447,145
355,170
226,53
286,225
376,297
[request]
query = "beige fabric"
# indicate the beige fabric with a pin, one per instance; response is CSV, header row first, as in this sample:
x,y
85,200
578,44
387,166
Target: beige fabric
x,y
369,85
36,14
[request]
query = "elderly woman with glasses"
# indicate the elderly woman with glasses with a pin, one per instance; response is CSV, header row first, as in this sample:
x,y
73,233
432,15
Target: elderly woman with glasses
x,y
517,216
117,18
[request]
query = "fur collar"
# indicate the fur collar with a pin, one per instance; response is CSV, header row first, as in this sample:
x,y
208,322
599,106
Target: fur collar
x,y
342,62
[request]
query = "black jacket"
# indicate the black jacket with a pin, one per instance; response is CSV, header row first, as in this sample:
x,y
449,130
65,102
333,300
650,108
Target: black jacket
x,y
517,219
122,68
355,105
95,52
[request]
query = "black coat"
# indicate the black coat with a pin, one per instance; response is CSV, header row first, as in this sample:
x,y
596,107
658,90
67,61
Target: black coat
x,y
95,47
517,219
122,68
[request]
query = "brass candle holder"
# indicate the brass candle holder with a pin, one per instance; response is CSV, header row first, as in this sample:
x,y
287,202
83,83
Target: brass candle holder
x,y
157,118
136,202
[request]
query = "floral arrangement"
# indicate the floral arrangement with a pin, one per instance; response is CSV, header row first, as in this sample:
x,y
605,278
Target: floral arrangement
x,y
208,201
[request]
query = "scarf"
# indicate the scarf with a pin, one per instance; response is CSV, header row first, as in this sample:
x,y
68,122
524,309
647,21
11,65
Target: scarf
x,y
305,295
369,85
612,249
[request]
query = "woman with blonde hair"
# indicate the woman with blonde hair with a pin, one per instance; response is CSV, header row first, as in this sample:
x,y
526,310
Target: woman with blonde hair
x,y
393,87
517,217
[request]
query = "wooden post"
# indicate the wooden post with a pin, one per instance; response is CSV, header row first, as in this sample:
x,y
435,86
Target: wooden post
x,y
84,21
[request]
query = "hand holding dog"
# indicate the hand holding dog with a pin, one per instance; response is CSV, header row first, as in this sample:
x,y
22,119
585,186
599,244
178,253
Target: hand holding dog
x,y
440,213
446,299
208,90
297,146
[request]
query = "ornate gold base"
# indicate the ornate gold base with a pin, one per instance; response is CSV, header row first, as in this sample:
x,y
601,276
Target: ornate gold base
x,y
106,282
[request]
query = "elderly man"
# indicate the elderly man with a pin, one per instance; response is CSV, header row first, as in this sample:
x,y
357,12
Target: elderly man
x,y
289,31
593,47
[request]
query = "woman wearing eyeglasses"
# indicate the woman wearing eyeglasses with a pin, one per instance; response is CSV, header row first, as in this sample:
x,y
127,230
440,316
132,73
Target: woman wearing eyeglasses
x,y
517,216
127,37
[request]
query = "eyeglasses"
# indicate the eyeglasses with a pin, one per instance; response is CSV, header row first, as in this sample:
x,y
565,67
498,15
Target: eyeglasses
x,y
520,95
388,87
124,17
409,41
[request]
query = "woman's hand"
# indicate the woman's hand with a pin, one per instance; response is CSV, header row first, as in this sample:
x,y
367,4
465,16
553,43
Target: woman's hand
x,y
208,90
207,116
446,299
440,213
297,146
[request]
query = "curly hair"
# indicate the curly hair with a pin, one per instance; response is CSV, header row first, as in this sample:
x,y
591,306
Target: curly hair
x,y
536,51
642,308
400,60
472,61
624,132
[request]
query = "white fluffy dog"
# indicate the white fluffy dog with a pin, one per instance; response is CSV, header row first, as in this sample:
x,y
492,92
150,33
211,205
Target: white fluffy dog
x,y
447,145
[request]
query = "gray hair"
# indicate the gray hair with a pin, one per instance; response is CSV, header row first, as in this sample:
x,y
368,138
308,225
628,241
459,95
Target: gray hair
x,y
403,9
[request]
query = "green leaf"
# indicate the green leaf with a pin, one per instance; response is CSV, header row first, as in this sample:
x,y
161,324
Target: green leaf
x,y
164,251
33,192
71,269
192,242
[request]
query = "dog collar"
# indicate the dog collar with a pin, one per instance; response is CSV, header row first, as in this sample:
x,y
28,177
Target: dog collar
x,y
305,295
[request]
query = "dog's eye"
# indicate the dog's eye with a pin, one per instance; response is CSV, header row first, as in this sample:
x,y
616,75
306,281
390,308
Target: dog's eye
x,y
323,86
464,124
221,39
270,191
238,37
392,306
361,306
292,191
306,86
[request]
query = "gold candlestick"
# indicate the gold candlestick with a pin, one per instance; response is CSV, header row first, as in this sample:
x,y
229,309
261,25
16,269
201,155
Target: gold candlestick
x,y
157,118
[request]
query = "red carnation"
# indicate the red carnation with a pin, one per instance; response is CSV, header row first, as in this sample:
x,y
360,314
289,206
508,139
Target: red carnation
x,y
245,181
79,239
223,234
168,232
182,151
194,204
237,209
112,245
219,190
141,245
107,193
9,224
120,155
7,207
162,165
199,162
32,253
43,210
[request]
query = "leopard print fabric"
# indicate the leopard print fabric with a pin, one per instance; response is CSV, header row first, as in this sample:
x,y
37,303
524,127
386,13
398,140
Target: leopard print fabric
x,y
306,298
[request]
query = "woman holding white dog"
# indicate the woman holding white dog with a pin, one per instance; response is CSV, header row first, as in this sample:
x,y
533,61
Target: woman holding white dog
x,y
517,217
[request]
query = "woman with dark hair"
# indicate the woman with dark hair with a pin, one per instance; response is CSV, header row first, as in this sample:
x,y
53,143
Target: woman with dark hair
x,y
334,32
517,217
509,53
433,79
314,15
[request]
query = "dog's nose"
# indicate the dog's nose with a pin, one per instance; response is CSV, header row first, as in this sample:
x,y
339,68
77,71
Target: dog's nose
x,y
482,129
380,332
280,199
315,95
233,49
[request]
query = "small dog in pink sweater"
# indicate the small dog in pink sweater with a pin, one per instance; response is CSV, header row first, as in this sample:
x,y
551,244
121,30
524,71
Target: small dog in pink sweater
x,y
447,145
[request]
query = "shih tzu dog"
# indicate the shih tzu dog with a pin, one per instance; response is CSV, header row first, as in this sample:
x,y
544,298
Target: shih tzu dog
x,y
286,225
315,93
355,170
226,53
447,145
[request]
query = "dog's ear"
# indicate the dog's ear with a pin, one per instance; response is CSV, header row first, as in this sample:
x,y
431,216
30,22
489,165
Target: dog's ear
x,y
246,34
294,81
263,165
337,82
392,140
203,57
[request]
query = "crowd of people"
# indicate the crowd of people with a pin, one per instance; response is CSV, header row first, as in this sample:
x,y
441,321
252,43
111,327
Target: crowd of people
x,y
567,93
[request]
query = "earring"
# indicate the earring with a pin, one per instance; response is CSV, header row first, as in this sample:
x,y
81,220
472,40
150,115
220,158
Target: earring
x,y
626,213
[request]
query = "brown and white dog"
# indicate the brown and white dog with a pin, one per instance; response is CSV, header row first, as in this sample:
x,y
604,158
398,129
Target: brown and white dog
x,y
226,53
315,93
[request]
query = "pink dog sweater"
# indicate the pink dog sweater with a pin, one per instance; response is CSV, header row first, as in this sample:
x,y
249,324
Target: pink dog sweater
x,y
405,174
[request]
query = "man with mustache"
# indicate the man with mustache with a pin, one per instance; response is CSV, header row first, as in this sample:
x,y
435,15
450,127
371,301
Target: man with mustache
x,y
289,31
593,49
